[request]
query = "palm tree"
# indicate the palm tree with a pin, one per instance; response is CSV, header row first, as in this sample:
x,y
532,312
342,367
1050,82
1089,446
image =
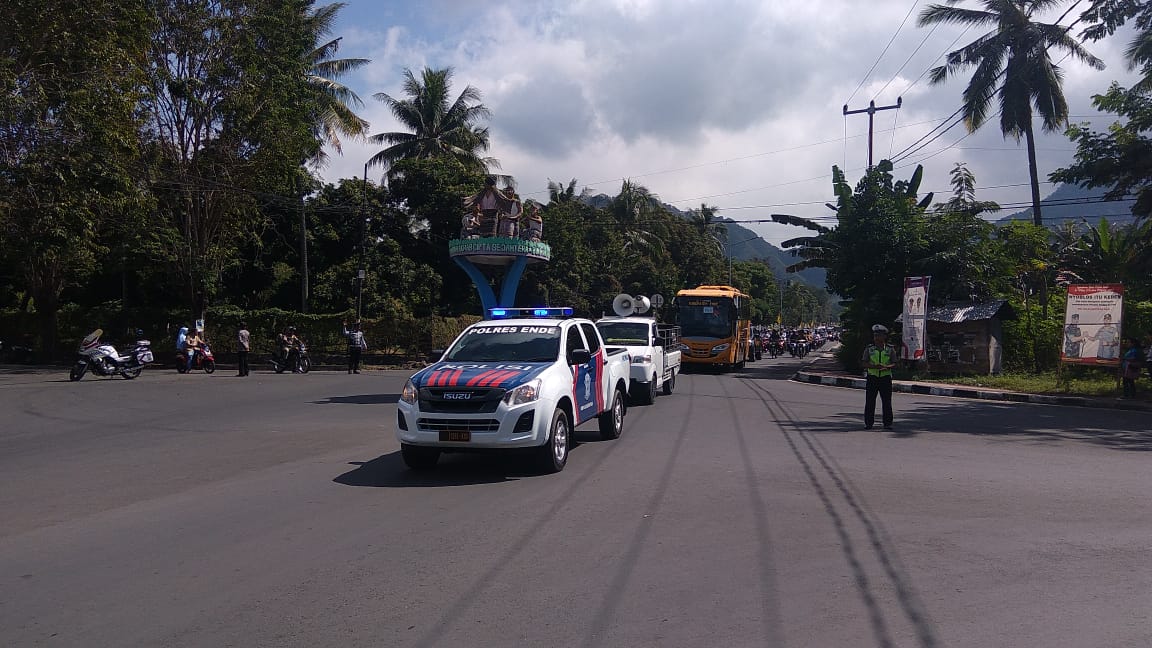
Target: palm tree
x,y
436,127
1012,65
336,117
634,211
558,193
704,220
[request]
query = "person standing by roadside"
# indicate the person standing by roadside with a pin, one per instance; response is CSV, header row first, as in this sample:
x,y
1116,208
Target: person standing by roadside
x,y
879,358
356,346
243,346
1130,365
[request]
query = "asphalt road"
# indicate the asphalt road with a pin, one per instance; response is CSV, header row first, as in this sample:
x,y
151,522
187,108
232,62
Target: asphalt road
x,y
743,510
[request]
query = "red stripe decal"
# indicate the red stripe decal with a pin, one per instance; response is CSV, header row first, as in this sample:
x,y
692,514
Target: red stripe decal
x,y
499,378
479,378
432,379
455,378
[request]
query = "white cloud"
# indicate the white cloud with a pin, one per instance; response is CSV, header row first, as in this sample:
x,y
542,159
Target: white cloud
x,y
699,100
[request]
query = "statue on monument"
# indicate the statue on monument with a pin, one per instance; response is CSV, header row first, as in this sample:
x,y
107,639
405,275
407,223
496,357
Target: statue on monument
x,y
533,229
491,203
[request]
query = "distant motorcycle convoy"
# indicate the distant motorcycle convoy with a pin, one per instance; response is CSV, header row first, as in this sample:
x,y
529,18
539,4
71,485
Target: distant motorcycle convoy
x,y
193,353
103,359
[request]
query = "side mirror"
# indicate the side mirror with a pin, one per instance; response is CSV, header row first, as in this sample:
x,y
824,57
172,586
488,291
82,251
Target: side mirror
x,y
579,357
434,355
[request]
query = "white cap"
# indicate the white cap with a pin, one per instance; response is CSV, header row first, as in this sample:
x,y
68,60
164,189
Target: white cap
x,y
879,328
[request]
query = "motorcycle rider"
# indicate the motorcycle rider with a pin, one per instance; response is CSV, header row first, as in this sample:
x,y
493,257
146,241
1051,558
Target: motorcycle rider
x,y
289,343
193,345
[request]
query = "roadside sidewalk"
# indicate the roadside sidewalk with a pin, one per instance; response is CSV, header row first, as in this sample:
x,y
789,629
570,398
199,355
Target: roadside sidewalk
x,y
824,369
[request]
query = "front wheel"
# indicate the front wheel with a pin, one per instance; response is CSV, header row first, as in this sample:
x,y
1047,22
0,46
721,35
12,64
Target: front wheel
x,y
305,365
419,457
78,371
553,455
209,366
612,421
132,372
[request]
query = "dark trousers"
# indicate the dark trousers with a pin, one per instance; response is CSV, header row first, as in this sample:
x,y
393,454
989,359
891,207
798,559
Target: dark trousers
x,y
1129,387
354,358
242,363
878,385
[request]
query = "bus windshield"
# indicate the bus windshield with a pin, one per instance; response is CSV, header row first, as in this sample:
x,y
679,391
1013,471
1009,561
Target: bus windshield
x,y
706,317
626,333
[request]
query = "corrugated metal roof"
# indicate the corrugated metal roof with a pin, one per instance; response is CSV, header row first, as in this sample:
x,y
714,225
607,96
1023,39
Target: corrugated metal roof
x,y
969,312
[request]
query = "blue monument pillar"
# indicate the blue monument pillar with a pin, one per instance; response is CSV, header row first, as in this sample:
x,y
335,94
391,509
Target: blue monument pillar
x,y
505,258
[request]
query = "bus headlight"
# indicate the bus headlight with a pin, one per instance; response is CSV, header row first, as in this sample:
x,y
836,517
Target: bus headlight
x,y
719,347
409,394
526,393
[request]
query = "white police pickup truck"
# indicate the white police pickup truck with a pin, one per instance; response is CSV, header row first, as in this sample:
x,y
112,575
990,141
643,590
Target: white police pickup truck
x,y
655,351
520,379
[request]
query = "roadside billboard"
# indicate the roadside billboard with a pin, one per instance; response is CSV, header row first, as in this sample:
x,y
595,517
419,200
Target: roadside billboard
x,y
914,318
1092,324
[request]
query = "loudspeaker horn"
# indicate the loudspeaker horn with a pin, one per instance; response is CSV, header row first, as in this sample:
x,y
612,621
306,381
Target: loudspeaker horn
x,y
623,305
642,305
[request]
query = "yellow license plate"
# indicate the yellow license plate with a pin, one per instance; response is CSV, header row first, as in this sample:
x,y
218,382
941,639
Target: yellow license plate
x,y
455,435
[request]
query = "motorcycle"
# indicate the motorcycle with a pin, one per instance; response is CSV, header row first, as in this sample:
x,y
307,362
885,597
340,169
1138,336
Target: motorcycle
x,y
295,359
105,360
202,359
775,347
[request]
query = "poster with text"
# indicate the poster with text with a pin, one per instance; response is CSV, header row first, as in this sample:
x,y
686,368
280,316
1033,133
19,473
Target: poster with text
x,y
914,319
1092,324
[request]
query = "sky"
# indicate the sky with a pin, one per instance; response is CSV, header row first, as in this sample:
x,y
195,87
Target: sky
x,y
736,104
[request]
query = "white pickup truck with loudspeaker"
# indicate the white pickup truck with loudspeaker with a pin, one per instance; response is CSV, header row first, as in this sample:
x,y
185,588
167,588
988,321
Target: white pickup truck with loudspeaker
x,y
655,348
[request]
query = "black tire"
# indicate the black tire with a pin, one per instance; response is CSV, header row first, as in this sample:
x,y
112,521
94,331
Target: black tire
x,y
646,394
553,455
132,372
181,367
305,365
78,371
209,366
670,384
612,421
279,368
419,457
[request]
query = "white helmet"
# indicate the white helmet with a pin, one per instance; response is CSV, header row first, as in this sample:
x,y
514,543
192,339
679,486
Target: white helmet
x,y
880,328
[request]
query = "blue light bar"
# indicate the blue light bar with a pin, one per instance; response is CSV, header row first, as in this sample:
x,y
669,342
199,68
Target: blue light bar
x,y
551,311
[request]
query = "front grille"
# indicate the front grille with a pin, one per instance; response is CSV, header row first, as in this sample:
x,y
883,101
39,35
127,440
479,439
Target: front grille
x,y
471,425
436,400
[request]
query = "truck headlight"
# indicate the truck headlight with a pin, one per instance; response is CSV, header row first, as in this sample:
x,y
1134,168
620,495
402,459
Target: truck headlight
x,y
526,393
719,347
409,394
642,359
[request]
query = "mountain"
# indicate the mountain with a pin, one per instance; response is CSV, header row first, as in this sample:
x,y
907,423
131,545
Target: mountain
x,y
1073,202
746,246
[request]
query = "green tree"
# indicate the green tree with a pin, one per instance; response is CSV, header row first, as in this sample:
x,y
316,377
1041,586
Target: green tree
x,y
878,238
1012,67
230,121
1121,158
336,116
960,253
704,220
755,278
634,211
437,127
1106,16
68,151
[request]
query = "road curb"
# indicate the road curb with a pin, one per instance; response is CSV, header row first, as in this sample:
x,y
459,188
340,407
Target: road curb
x,y
967,392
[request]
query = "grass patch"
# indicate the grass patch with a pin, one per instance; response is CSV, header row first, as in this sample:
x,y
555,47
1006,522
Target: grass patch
x,y
1075,383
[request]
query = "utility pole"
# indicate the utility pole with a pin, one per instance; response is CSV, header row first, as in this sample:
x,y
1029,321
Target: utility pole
x,y
872,109
361,274
303,257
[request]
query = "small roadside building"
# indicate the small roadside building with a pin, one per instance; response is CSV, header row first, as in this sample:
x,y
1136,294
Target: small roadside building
x,y
967,337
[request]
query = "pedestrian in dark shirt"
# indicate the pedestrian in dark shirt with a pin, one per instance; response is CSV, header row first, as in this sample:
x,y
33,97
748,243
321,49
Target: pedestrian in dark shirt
x,y
243,346
356,346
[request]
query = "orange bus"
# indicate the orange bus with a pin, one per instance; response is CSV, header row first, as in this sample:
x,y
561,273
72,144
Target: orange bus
x,y
715,326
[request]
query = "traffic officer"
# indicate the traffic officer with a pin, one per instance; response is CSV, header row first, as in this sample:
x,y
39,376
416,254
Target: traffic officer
x,y
879,358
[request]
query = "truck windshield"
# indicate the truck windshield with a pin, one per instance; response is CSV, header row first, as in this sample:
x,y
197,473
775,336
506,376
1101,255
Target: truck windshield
x,y
626,333
706,318
513,343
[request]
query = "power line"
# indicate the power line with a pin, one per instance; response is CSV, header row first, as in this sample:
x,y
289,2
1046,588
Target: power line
x,y
885,51
906,62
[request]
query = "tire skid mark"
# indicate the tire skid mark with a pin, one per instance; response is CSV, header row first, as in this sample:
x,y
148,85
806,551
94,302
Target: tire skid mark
x,y
471,595
601,622
909,603
769,595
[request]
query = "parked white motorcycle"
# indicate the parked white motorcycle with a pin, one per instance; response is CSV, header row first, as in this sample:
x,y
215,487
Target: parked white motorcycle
x,y
105,360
